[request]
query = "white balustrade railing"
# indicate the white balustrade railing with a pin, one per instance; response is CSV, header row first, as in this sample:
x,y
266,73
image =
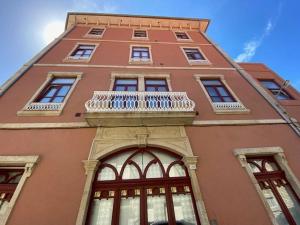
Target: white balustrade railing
x,y
125,101
37,106
229,106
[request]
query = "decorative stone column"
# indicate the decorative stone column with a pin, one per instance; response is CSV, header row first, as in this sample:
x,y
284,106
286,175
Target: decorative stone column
x,y
90,167
191,164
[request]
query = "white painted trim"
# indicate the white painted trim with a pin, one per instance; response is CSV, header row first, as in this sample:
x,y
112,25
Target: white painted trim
x,y
88,35
132,61
182,40
28,163
140,38
280,158
241,109
195,62
50,76
69,58
135,67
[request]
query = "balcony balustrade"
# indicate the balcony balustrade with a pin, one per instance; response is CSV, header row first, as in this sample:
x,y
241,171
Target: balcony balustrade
x,y
146,107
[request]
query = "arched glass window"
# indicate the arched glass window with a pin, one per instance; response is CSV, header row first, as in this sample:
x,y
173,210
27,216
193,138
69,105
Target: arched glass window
x,y
142,187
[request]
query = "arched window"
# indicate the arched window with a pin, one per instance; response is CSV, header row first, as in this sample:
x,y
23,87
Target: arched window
x,y
142,187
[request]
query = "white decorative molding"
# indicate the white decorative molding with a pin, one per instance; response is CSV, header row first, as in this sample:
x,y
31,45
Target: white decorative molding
x,y
125,101
28,163
229,107
44,106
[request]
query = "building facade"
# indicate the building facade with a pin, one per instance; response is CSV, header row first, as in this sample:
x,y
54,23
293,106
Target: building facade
x,y
144,120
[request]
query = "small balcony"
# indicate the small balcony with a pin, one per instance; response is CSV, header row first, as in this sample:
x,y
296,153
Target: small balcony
x,y
122,108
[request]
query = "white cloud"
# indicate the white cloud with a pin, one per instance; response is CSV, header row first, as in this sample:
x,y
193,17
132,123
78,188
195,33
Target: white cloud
x,y
52,30
251,46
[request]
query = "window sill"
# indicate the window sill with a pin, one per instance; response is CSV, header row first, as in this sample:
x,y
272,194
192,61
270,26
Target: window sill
x,y
185,40
41,109
140,38
229,108
199,62
93,36
131,61
71,59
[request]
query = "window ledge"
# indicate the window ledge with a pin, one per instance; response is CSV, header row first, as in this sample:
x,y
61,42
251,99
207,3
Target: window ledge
x,y
199,62
138,61
41,109
72,59
93,36
229,108
140,38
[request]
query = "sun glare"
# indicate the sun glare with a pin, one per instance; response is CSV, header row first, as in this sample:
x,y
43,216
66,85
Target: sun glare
x,y
52,30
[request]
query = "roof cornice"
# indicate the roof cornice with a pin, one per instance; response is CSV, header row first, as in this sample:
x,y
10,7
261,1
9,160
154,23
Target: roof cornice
x,y
142,21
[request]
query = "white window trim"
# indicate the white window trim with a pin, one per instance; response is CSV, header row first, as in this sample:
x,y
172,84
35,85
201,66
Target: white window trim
x,y
141,78
222,107
140,38
182,40
195,62
88,35
136,61
69,58
58,107
28,162
280,158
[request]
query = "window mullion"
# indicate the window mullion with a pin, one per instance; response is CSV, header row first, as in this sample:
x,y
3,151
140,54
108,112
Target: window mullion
x,y
170,205
143,207
116,208
285,210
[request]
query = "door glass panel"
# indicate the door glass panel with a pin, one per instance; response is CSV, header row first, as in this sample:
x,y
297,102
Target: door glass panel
x,y
51,92
58,99
130,211
45,100
222,91
154,171
106,173
157,210
183,209
211,91
275,207
101,213
63,81
216,99
64,90
165,159
118,160
271,166
290,201
177,171
142,159
130,172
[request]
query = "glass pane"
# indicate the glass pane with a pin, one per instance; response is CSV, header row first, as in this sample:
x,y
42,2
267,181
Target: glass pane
x,y
254,168
211,82
119,160
130,211
51,92
64,91
211,91
228,99
166,159
198,56
86,47
156,82
270,84
63,81
154,171
162,89
131,88
120,88
150,88
45,100
58,99
290,201
126,81
183,209
16,179
142,159
271,166
106,174
177,171
101,213
222,91
130,172
216,99
275,207
157,210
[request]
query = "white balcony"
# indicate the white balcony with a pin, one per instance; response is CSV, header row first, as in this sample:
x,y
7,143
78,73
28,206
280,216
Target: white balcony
x,y
138,108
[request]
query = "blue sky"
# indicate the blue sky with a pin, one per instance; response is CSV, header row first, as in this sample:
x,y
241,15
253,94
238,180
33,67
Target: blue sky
x,y
265,31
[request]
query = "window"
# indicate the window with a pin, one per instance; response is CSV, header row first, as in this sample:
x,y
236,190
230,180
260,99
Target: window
x,y
140,54
96,31
182,36
9,179
56,91
276,189
276,90
142,186
83,52
217,91
52,95
156,85
140,34
193,54
122,84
